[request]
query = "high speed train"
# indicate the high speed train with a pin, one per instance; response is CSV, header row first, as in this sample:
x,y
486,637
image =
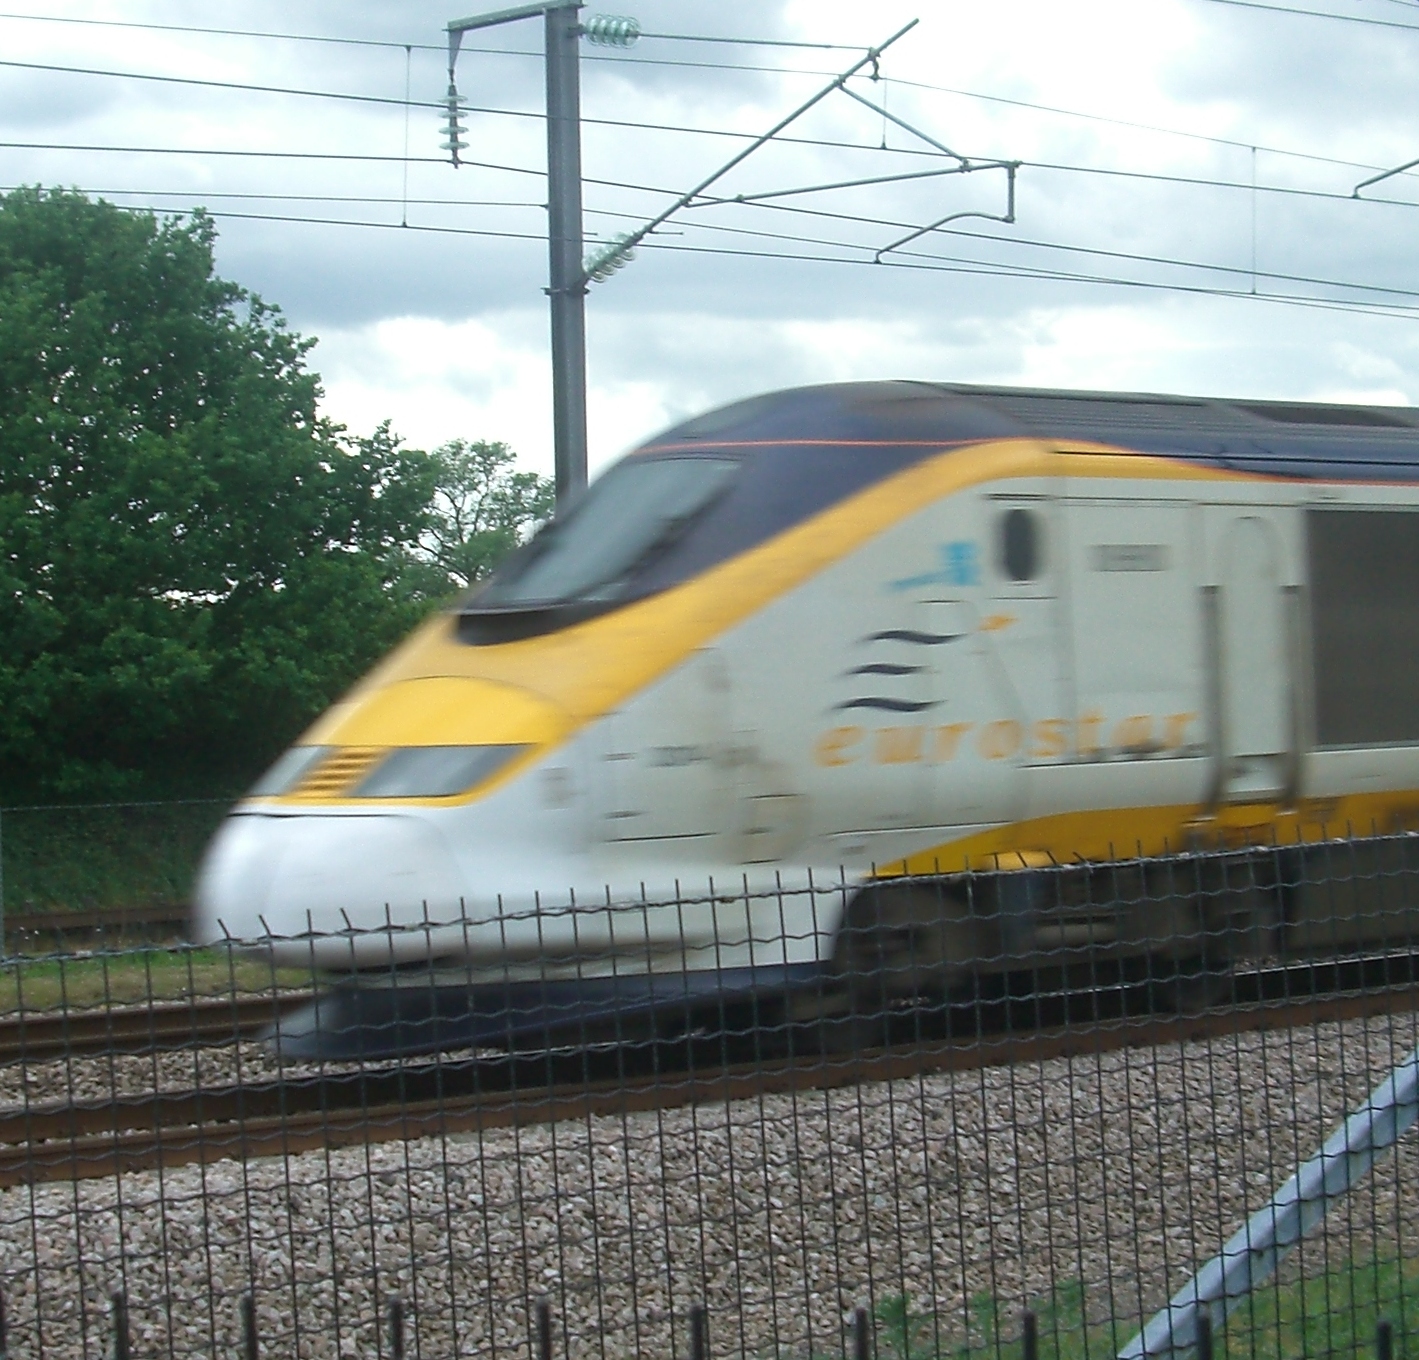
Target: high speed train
x,y
853,644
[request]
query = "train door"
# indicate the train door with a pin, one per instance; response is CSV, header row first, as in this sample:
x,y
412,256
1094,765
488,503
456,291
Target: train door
x,y
1137,647
1363,579
999,686
1022,622
1248,603
658,766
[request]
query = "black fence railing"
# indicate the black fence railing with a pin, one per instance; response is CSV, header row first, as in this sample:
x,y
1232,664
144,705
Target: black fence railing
x,y
1138,1108
867,1340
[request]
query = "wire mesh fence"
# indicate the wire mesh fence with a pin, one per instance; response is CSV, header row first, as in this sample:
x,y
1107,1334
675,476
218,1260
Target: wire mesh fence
x,y
1006,1113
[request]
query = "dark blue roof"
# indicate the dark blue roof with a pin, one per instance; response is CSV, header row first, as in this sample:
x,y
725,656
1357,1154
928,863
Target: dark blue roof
x,y
1288,439
805,449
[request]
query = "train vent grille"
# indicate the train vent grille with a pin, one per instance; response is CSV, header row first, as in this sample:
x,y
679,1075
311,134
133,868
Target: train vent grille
x,y
337,773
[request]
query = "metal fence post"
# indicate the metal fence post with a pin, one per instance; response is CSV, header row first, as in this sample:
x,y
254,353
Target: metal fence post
x,y
861,1334
699,1332
121,1348
1030,1337
249,1347
394,1309
542,1323
1204,1337
1384,1341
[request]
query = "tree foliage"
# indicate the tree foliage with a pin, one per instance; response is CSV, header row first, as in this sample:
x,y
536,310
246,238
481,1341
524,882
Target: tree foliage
x,y
192,561
482,508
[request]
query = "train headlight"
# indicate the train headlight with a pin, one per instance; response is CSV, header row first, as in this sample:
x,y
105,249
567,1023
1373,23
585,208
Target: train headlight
x,y
434,771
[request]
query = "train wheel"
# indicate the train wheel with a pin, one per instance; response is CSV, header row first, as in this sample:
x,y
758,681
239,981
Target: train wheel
x,y
897,945
1197,976
1192,986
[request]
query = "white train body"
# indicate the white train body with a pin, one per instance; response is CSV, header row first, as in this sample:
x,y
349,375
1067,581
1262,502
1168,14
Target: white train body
x,y
1005,646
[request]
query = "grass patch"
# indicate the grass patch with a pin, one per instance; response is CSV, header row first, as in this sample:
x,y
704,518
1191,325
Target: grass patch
x,y
1330,1313
1334,1312
103,857
137,977
904,1332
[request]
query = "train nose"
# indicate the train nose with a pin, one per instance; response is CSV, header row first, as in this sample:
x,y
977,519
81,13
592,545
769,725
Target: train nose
x,y
268,875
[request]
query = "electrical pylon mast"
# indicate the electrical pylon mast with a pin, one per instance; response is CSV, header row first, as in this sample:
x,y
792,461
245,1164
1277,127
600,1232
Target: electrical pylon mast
x,y
567,279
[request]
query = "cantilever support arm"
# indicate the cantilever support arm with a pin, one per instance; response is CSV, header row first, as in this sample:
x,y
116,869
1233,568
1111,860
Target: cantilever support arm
x,y
1375,179
1010,168
839,83
708,202
458,27
906,126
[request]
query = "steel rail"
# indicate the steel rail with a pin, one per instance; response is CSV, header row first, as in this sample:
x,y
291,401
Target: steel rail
x,y
114,921
107,1138
35,1035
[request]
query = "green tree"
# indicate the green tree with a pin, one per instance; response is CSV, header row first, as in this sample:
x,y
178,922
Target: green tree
x,y
192,561
482,509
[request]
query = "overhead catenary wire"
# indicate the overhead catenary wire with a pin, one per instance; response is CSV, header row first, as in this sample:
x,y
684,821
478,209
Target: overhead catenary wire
x,y
829,143
1317,14
758,42
1131,257
730,132
1016,241
637,58
736,41
1201,181
1074,169
439,106
634,59
393,44
1013,241
915,261
151,27
1058,167
254,153
712,39
245,87
1211,139
370,200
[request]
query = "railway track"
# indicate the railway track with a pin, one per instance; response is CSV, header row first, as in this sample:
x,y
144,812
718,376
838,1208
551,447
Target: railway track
x,y
35,1036
78,1140
54,927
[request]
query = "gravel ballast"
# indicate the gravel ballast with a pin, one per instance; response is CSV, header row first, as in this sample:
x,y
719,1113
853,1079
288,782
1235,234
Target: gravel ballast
x,y
1111,1175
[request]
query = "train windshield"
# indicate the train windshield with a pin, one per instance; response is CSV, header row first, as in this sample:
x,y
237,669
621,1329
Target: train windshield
x,y
622,522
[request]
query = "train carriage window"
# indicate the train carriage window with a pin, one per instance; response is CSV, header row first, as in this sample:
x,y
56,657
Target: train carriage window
x,y
1364,571
621,521
1021,551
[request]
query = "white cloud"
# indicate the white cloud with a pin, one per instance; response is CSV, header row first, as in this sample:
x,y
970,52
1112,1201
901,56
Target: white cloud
x,y
484,379
436,380
446,333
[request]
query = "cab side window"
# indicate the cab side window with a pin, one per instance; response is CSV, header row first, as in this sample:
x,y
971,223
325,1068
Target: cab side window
x,y
1020,554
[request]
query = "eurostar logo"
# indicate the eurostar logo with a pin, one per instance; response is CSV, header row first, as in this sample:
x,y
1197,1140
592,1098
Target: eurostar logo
x,y
1091,736
960,566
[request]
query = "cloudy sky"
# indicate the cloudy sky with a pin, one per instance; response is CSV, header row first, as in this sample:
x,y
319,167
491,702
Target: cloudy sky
x,y
1184,214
